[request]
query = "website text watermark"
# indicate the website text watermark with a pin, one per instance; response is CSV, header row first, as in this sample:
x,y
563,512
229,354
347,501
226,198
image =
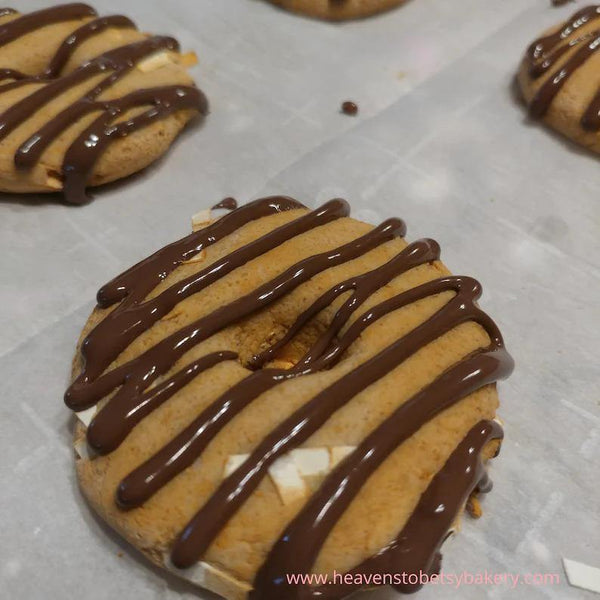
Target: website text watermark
x,y
456,580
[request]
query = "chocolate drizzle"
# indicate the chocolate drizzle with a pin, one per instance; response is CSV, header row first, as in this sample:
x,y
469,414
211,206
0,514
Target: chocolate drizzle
x,y
417,546
25,24
545,53
227,204
90,29
411,551
84,152
12,74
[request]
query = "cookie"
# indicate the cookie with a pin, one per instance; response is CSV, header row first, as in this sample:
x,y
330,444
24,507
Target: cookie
x,y
86,100
338,10
285,392
559,78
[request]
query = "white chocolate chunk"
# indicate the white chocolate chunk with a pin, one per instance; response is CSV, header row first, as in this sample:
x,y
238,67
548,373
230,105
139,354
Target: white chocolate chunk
x,y
284,474
210,577
311,461
155,61
286,477
582,576
289,471
196,258
207,216
339,453
86,416
201,219
82,449
233,462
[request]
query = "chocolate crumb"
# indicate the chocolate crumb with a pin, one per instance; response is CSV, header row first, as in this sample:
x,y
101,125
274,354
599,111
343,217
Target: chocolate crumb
x,y
349,108
560,2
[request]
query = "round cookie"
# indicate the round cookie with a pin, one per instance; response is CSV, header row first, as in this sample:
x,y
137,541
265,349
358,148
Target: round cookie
x,y
287,391
338,10
86,100
559,78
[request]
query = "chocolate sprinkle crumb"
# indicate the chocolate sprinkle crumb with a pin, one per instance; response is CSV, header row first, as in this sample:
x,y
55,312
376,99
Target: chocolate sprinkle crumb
x,y
349,108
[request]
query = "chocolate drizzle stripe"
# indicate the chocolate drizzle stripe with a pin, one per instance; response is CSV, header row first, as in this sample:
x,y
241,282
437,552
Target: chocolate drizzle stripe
x,y
416,548
18,113
300,543
138,281
11,74
415,254
126,322
136,396
295,430
543,98
544,54
542,46
107,430
83,154
23,81
538,68
85,32
591,117
142,371
25,24
227,204
183,450
122,417
115,63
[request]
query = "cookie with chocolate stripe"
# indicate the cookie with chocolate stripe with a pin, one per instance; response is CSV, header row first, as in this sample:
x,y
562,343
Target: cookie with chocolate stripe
x,y
86,100
287,391
559,78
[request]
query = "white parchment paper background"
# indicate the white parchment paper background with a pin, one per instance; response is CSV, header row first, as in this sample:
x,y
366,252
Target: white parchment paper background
x,y
439,141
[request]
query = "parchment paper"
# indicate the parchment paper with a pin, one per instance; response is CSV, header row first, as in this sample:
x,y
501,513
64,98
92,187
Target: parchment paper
x,y
441,142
